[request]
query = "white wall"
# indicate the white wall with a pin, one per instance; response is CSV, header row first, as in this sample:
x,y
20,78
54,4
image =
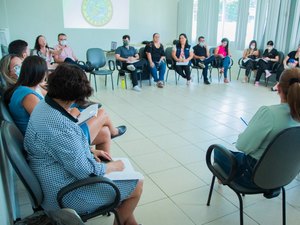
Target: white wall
x,y
27,19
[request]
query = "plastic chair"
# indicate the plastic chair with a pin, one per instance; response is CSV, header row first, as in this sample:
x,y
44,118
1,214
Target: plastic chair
x,y
170,63
12,141
96,58
217,65
277,167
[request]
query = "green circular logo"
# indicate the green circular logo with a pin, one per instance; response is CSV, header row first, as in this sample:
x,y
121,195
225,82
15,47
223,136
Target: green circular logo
x,y
97,12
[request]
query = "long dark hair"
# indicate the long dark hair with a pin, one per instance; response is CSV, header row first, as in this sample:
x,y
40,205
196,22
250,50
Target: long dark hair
x,y
186,43
37,45
253,42
33,71
227,46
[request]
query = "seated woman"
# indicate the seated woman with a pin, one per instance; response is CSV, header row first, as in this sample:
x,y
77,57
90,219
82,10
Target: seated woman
x,y
42,50
249,56
292,60
22,98
267,122
59,154
183,54
265,64
156,57
223,55
10,66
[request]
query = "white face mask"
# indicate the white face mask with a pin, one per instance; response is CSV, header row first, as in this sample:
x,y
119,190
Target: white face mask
x,y
202,43
270,48
63,42
252,46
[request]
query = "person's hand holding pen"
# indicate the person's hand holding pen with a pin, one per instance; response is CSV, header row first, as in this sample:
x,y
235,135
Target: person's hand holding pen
x,y
74,112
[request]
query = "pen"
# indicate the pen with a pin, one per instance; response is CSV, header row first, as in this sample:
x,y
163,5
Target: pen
x,y
244,121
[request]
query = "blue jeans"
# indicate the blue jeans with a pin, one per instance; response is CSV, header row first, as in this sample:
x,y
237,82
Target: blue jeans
x,y
206,62
226,63
245,166
158,66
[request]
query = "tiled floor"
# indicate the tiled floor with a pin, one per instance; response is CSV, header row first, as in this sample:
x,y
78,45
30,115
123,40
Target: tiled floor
x,y
168,133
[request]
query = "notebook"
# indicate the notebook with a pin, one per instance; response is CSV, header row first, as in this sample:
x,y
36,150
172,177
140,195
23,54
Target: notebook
x,y
87,113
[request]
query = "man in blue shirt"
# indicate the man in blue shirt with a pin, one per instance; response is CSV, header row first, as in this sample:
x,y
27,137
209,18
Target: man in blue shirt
x,y
130,59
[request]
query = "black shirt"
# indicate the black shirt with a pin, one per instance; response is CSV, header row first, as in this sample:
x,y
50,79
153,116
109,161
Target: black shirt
x,y
200,51
272,54
292,55
156,53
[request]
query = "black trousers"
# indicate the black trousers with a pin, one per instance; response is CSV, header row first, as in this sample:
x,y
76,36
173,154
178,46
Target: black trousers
x,y
138,65
184,71
262,66
250,65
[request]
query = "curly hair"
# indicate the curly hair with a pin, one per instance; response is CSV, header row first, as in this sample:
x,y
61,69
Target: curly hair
x,y
69,83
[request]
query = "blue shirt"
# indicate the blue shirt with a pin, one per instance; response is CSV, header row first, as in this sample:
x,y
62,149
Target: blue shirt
x,y
16,108
125,52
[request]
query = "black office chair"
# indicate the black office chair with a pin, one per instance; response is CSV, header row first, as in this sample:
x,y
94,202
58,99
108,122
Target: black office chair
x,y
12,141
277,167
217,64
145,69
275,67
170,63
198,68
96,59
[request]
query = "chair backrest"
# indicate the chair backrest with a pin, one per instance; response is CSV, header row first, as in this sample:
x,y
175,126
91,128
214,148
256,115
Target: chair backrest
x,y
212,50
96,57
281,57
280,163
169,59
142,53
12,142
4,112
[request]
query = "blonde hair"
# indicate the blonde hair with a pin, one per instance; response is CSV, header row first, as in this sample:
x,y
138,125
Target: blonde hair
x,y
4,70
290,86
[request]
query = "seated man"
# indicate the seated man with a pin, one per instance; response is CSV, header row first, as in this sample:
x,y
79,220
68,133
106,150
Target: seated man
x,y
202,58
156,57
129,57
66,54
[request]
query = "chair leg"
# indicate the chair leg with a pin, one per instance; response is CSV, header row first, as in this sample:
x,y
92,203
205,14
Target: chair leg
x,y
211,190
118,79
117,217
219,75
283,207
198,76
167,76
176,77
95,82
112,81
238,76
241,208
105,80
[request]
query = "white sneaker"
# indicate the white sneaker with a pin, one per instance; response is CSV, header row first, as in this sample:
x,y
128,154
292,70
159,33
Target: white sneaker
x,y
256,84
188,82
201,65
136,88
131,67
268,74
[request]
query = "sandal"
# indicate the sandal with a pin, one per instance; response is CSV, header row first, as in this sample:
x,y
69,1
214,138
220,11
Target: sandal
x,y
121,130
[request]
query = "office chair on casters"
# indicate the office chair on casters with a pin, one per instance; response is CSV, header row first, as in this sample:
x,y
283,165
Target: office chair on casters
x,y
170,63
277,167
96,58
12,141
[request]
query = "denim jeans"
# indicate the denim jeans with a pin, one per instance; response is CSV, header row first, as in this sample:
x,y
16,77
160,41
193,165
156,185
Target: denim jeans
x,y
206,62
245,166
226,63
158,66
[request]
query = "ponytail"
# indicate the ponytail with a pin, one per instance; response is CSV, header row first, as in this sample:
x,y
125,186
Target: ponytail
x,y
290,85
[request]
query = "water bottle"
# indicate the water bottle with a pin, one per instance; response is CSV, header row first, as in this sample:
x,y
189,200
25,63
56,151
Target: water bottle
x,y
123,84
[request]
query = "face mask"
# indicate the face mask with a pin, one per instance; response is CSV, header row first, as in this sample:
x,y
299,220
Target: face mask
x,y
270,48
252,46
17,69
125,43
202,44
63,42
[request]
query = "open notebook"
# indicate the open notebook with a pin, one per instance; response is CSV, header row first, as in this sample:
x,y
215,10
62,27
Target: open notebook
x,y
127,174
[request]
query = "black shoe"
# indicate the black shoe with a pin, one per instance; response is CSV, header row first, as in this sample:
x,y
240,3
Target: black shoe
x,y
206,82
121,130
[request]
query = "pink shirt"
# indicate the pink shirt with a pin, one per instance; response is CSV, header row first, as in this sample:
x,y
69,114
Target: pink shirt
x,y
222,51
67,52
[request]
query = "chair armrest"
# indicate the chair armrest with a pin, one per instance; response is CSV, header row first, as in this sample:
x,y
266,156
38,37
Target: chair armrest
x,y
231,62
240,61
216,169
275,66
111,65
90,181
81,62
119,65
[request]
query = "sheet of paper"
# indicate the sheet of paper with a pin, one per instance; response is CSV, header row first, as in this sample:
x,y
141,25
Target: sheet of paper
x,y
182,63
127,174
87,113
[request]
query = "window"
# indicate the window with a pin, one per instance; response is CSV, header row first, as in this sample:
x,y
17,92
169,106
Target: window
x,y
228,13
251,22
194,22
